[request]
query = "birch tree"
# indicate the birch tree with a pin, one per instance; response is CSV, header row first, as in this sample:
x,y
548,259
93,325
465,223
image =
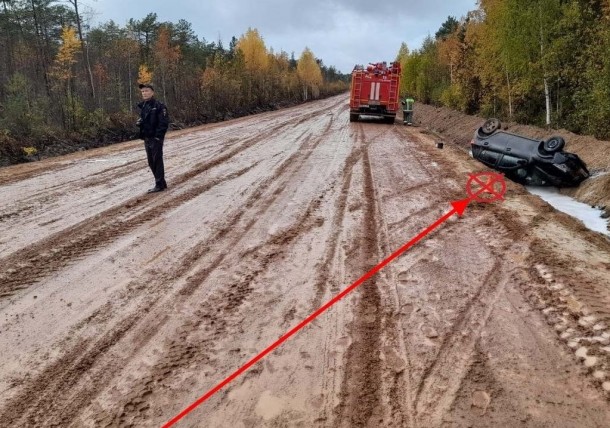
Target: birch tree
x,y
309,73
256,61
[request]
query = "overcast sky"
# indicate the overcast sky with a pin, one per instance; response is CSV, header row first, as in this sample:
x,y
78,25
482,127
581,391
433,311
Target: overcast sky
x,y
340,32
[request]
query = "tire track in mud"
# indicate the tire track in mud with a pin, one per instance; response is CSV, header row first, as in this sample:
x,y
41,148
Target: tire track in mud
x,y
43,396
213,313
365,379
32,263
571,292
407,190
442,379
361,388
38,404
445,170
296,160
396,382
40,260
590,288
324,270
119,171
214,317
398,364
122,170
397,373
441,181
49,193
405,221
127,169
99,178
576,317
403,399
14,177
420,153
222,155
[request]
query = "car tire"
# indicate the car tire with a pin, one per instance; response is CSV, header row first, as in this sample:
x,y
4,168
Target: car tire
x,y
490,126
553,145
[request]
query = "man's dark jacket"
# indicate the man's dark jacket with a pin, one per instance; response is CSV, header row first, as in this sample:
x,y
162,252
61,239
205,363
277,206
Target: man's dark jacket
x,y
154,119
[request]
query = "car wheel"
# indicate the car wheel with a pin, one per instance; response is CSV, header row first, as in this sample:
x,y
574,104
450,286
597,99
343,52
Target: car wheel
x,y
554,144
490,126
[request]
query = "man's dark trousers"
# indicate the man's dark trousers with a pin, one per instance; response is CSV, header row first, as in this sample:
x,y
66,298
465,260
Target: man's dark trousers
x,y
154,152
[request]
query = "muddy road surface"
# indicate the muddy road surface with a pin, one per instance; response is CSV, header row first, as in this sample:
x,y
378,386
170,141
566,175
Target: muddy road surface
x,y
119,308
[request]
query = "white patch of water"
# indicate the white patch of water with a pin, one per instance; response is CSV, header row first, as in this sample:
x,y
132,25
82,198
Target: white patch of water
x,y
591,217
599,173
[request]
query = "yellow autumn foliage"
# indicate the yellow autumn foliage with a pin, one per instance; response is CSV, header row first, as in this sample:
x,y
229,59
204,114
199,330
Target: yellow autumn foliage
x,y
309,73
145,76
66,56
254,50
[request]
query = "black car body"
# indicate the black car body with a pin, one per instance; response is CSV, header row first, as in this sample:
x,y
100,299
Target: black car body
x,y
527,161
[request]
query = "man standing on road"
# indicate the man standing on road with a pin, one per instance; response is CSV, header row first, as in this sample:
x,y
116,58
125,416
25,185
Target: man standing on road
x,y
153,123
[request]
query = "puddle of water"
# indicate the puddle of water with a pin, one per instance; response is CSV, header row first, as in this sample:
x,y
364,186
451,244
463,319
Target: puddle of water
x,y
599,173
591,217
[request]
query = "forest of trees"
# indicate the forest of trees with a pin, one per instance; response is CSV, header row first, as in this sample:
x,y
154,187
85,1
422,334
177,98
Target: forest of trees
x,y
64,81
542,62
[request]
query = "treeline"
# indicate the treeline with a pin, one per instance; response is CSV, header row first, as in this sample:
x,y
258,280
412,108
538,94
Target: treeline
x,y
63,83
541,62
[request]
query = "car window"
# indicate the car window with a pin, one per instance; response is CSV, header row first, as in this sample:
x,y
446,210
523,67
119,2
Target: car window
x,y
510,162
489,157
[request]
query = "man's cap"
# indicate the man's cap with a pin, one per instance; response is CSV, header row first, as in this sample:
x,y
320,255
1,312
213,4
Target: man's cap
x,y
146,85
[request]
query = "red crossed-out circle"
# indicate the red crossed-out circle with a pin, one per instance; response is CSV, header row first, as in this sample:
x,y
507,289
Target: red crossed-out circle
x,y
486,187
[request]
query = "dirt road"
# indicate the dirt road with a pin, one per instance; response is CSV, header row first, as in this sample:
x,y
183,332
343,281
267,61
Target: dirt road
x,y
119,308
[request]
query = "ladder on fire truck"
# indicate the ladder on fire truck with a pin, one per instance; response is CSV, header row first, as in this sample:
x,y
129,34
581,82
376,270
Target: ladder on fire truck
x,y
393,98
357,91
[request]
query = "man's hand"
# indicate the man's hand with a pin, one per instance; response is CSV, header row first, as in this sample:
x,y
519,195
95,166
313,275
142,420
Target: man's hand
x,y
139,122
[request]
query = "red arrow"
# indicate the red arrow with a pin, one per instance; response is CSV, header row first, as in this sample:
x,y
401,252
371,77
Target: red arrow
x,y
458,208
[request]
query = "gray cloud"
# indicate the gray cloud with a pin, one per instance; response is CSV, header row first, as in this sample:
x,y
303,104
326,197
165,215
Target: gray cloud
x,y
341,32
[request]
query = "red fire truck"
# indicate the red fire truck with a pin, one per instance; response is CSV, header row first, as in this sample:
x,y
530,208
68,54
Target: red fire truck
x,y
375,91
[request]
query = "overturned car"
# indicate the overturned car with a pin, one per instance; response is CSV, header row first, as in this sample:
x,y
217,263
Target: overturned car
x,y
527,161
